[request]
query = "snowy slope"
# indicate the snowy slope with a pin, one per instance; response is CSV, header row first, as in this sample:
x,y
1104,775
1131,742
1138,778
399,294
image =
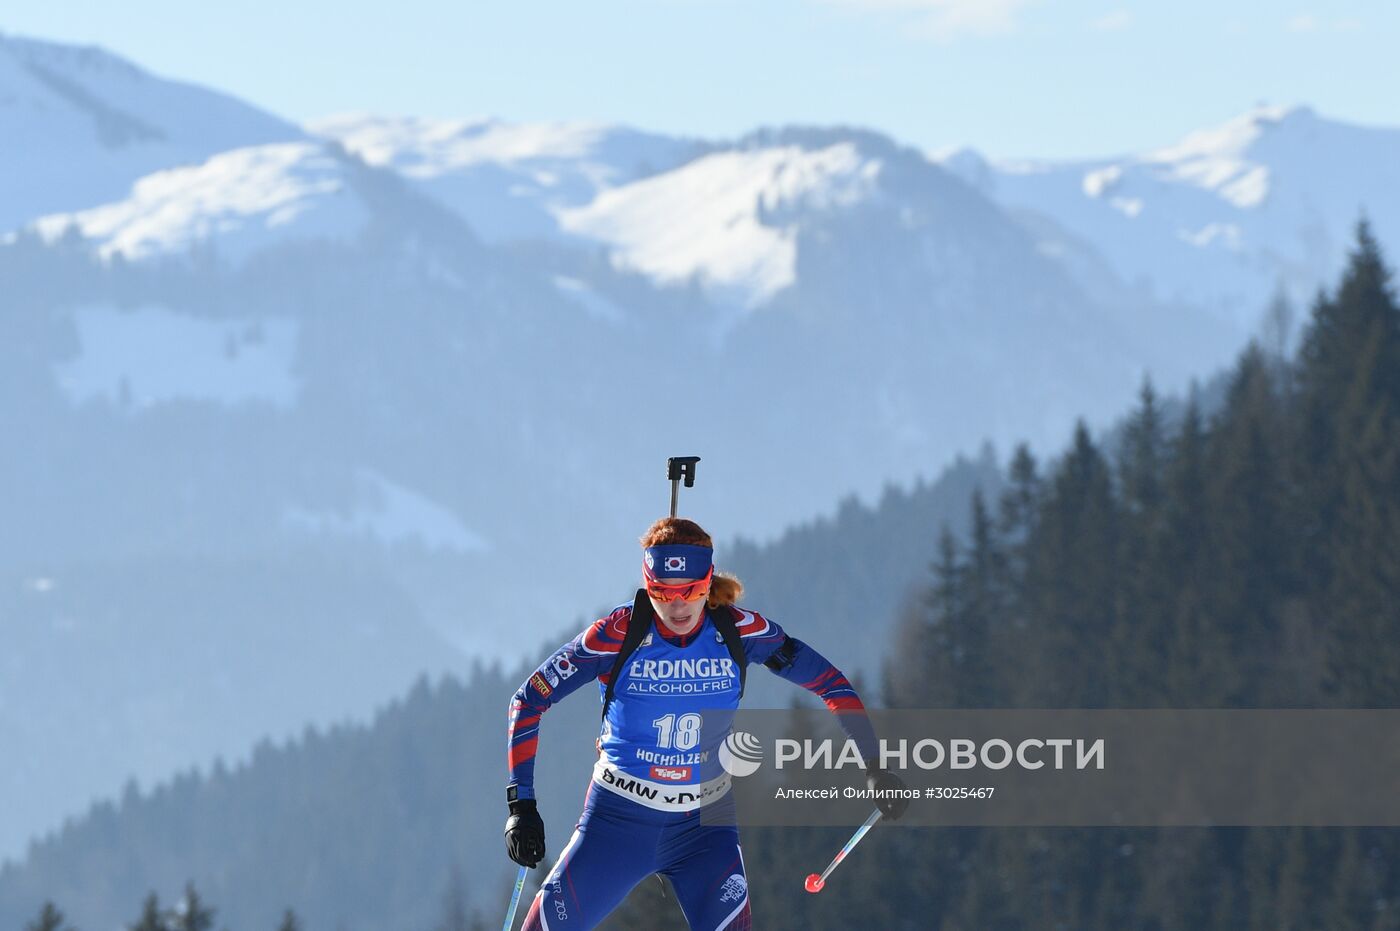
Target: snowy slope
x,y
80,125
385,511
506,179
237,203
145,356
1223,217
727,220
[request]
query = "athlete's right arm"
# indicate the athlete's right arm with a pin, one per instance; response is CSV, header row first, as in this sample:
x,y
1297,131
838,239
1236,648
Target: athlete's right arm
x,y
587,657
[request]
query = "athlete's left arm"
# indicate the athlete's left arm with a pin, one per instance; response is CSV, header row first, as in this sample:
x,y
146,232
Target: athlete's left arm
x,y
767,643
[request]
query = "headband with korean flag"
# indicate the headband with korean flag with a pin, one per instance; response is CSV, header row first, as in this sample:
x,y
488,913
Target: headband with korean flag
x,y
677,561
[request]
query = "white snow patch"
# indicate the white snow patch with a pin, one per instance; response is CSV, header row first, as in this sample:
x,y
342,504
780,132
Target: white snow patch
x,y
1100,180
725,220
1230,140
1130,207
244,201
153,355
1226,235
1221,159
1249,189
392,513
425,148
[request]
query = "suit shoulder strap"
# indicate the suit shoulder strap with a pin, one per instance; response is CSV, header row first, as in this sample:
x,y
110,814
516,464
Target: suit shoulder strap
x,y
725,623
638,626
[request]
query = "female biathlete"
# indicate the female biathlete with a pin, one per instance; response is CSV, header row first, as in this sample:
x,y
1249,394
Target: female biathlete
x,y
656,771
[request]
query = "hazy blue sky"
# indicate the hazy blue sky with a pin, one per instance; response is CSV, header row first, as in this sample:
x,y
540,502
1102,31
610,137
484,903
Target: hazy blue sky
x,y
1012,77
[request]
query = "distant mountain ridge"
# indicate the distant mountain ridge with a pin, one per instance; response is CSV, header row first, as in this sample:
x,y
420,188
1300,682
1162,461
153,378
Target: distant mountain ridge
x,y
238,202
1264,201
507,179
1219,220
82,125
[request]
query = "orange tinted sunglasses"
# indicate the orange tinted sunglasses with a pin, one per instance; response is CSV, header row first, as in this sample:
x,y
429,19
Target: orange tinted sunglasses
x,y
687,591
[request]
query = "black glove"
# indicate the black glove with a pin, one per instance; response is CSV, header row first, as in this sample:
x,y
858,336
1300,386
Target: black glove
x,y
525,833
880,780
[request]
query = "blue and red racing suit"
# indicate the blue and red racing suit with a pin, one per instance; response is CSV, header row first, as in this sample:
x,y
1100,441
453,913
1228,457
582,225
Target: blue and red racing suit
x,y
656,769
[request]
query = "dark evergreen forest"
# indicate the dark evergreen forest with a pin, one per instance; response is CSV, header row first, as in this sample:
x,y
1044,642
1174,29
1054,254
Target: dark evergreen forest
x,y
1250,559
1241,557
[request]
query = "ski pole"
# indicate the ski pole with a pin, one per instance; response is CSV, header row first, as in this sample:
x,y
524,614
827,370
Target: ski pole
x,y
677,468
515,899
814,882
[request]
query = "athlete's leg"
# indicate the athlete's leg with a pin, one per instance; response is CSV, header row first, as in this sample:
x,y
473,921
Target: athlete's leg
x,y
706,868
612,849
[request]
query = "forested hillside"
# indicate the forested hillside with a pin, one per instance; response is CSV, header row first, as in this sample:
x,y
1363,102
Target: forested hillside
x,y
398,823
1247,559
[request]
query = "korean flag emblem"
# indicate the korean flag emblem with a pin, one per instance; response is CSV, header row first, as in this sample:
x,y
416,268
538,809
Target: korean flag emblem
x,y
563,666
675,564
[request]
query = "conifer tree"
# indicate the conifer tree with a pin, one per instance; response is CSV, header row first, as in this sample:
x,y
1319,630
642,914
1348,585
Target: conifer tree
x,y
50,919
1072,581
974,633
1246,503
1144,626
1346,369
1017,509
152,918
921,669
1357,609
1142,456
192,914
938,677
1199,669
904,671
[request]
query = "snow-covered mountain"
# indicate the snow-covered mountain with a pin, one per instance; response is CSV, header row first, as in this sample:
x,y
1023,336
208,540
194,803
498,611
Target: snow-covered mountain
x,y
236,203
80,125
1222,218
728,220
507,180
